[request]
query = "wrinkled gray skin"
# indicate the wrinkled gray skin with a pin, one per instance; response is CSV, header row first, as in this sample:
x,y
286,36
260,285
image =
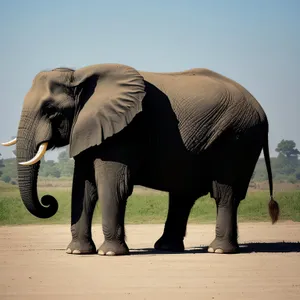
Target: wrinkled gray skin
x,y
188,133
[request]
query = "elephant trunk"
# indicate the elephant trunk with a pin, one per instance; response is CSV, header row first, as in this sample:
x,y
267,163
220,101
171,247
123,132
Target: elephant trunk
x,y
26,148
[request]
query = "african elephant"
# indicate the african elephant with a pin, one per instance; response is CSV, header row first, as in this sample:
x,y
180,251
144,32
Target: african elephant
x,y
187,133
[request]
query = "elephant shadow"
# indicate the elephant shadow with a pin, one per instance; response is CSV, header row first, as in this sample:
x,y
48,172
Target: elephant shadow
x,y
245,248
276,247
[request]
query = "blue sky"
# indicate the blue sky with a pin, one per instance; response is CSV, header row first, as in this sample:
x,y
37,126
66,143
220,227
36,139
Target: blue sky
x,y
256,43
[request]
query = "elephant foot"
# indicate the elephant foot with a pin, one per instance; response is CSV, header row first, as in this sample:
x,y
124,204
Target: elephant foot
x,y
223,247
112,248
167,244
81,247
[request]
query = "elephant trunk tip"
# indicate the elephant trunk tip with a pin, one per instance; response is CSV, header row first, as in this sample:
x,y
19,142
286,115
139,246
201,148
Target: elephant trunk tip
x,y
274,210
48,210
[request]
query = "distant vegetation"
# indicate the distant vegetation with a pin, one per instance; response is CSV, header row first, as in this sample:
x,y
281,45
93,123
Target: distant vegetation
x,y
147,206
286,166
49,169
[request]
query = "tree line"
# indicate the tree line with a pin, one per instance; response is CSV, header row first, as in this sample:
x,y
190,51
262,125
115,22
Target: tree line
x,y
285,167
48,168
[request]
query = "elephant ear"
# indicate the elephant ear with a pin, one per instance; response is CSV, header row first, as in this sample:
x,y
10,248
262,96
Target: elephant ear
x,y
110,96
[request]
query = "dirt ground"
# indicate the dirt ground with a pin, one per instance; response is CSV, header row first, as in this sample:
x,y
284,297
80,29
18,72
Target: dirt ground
x,y
33,265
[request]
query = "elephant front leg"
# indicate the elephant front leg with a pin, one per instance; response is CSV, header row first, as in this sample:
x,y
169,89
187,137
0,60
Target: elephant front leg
x,y
175,227
84,198
226,226
114,187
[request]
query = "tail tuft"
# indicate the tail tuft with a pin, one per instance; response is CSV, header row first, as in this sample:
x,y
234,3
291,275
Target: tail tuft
x,y
273,210
273,205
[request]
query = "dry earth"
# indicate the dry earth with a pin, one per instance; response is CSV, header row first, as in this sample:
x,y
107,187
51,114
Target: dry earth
x,y
34,265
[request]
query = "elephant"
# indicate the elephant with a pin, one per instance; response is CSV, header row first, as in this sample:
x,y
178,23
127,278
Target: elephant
x,y
189,133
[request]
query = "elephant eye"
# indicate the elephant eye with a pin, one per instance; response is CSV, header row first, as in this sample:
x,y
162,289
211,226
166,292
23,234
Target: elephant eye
x,y
49,111
52,113
54,116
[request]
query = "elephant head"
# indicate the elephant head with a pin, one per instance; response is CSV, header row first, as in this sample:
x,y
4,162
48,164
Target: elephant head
x,y
81,108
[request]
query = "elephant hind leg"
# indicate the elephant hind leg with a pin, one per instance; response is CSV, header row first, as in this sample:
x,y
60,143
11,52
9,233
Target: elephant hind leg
x,y
226,240
175,226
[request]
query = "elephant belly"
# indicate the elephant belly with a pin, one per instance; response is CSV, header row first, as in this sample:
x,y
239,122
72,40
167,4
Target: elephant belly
x,y
173,174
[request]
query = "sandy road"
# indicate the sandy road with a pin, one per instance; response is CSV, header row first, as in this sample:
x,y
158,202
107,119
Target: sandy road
x,y
33,265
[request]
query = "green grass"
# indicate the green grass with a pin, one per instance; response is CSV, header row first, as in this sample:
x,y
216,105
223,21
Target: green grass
x,y
147,207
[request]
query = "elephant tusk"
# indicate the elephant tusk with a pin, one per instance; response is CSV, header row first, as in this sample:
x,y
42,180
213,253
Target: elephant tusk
x,y
38,156
10,143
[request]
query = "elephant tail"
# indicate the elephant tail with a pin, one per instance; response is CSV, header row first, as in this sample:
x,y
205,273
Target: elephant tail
x,y
273,205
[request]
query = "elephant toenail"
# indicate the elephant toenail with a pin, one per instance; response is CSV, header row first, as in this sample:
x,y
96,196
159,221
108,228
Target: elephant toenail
x,y
220,251
110,253
211,250
76,252
69,251
101,252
